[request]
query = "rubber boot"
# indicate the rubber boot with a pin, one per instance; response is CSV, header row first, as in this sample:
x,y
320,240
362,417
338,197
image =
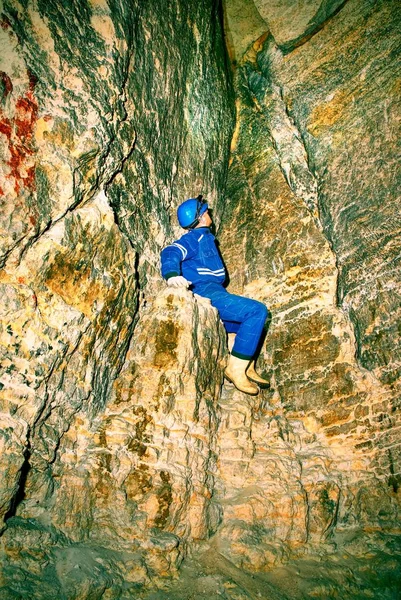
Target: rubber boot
x,y
235,372
254,376
230,341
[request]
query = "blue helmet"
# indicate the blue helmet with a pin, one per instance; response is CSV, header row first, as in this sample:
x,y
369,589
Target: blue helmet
x,y
190,211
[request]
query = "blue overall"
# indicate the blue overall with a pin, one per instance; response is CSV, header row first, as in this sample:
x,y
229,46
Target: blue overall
x,y
195,257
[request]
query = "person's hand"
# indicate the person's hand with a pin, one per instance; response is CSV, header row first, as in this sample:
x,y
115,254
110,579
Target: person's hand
x,y
178,282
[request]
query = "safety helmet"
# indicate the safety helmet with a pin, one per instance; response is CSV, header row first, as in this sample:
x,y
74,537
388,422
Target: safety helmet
x,y
190,211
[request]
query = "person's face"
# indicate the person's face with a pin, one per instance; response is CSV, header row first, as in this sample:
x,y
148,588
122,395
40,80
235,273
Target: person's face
x,y
205,219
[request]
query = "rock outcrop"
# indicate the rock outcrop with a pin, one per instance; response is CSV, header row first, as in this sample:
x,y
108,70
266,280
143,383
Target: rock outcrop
x,y
122,450
110,114
311,228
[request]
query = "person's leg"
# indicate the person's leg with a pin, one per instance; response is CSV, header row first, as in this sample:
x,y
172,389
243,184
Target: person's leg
x,y
251,373
246,318
243,316
231,327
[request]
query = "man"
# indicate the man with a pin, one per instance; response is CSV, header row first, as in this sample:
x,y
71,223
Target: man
x,y
194,261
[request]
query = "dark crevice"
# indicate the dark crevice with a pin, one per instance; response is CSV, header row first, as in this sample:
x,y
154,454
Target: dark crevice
x,y
112,203
311,31
123,99
5,256
41,415
267,96
34,238
23,475
135,319
331,527
41,232
393,479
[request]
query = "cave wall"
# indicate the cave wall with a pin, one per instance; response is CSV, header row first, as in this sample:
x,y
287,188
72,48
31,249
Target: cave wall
x,y
111,114
120,445
311,228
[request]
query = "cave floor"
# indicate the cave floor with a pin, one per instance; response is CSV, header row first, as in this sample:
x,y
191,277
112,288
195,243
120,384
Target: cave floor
x,y
353,566
359,568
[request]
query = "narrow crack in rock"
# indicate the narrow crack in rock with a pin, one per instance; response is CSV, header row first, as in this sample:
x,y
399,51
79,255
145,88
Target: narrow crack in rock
x,y
286,137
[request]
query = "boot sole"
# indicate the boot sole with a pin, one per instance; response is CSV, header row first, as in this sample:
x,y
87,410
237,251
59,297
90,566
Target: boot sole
x,y
263,386
243,391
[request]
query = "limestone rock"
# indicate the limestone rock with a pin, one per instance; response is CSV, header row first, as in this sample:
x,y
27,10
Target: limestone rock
x,y
138,479
243,25
123,451
291,22
286,242
110,116
149,463
357,193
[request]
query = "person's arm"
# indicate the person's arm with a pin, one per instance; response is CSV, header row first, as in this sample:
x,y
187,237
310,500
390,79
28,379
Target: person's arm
x,y
171,259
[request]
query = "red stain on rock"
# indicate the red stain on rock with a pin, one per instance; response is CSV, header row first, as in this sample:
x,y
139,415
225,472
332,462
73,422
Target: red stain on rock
x,y
19,131
7,85
25,116
5,127
33,80
5,23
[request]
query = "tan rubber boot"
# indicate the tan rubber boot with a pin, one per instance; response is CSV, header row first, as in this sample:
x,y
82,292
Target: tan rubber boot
x,y
254,376
235,372
230,341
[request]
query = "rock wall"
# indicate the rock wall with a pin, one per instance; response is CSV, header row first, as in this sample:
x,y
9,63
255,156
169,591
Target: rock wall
x,y
121,449
311,228
110,116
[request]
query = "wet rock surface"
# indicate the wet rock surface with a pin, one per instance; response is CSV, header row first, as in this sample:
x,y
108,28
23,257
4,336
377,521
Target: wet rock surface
x,y
108,112
128,467
287,241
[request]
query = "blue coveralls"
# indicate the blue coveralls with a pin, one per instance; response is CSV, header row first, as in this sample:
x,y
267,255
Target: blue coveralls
x,y
195,257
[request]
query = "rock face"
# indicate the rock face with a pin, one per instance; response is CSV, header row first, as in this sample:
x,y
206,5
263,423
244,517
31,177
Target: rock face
x,y
291,23
108,113
312,195
121,449
139,476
